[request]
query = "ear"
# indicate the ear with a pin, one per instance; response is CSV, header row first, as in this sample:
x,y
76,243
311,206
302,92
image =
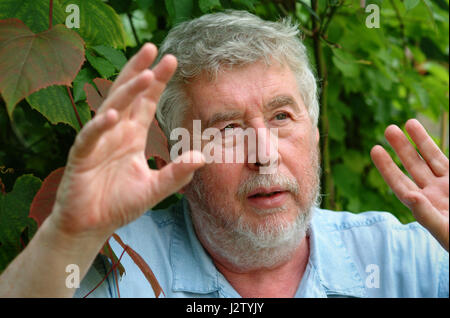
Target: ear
x,y
161,163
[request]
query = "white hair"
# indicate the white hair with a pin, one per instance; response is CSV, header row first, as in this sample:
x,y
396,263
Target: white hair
x,y
227,39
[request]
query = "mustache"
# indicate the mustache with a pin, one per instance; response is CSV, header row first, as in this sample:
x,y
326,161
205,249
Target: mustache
x,y
266,181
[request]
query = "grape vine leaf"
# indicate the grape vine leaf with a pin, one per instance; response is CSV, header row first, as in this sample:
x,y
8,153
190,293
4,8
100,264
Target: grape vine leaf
x,y
179,10
14,220
29,61
43,202
100,25
54,103
32,13
95,97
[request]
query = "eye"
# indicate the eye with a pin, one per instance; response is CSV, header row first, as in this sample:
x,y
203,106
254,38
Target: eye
x,y
281,116
230,126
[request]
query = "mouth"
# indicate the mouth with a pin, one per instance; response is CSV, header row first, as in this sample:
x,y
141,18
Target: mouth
x,y
267,198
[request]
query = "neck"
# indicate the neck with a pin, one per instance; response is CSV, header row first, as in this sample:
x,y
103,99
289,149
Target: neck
x,y
280,281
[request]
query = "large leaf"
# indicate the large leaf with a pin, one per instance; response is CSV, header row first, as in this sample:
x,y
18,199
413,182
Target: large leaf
x,y
29,61
104,67
14,208
99,23
95,97
43,202
179,10
33,13
54,103
114,56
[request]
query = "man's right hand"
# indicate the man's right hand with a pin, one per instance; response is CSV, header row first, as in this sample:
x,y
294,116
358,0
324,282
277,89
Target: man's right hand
x,y
107,182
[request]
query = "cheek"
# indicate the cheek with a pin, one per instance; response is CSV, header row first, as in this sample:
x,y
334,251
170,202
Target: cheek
x,y
221,180
297,155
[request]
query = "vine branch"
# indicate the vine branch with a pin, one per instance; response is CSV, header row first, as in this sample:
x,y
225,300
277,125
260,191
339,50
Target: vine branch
x,y
74,107
322,74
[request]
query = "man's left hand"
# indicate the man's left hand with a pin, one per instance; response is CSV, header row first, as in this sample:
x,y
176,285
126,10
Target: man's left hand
x,y
427,194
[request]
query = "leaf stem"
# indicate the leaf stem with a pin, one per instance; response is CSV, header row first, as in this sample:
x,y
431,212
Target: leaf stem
x,y
74,107
107,274
133,29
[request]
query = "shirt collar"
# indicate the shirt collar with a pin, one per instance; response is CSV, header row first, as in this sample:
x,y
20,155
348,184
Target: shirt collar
x,y
330,267
192,268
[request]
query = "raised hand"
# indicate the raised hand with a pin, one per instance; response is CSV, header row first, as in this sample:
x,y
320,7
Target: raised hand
x,y
427,195
107,182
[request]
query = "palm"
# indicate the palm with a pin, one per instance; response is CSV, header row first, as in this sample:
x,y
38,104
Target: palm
x,y
107,182
427,194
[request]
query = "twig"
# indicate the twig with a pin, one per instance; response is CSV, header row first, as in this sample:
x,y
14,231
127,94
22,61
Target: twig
x,y
74,107
322,74
133,29
107,274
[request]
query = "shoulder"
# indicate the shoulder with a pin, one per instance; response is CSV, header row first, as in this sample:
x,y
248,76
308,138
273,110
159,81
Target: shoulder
x,y
411,262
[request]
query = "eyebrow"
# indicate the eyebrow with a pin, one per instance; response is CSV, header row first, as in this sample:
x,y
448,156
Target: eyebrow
x,y
274,103
280,101
222,117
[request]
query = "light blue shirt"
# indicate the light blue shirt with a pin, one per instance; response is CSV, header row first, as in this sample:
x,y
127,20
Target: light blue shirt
x,y
369,254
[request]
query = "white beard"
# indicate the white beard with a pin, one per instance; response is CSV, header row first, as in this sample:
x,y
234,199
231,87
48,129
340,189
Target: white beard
x,y
245,247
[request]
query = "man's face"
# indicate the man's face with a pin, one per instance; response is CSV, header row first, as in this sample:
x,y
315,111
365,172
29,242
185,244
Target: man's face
x,y
255,96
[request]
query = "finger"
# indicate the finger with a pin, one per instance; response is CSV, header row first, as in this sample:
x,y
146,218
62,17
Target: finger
x,y
391,173
433,156
123,97
162,73
143,110
427,215
408,155
139,62
165,68
174,176
88,137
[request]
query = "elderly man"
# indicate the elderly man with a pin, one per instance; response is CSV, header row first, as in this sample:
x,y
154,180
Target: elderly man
x,y
237,232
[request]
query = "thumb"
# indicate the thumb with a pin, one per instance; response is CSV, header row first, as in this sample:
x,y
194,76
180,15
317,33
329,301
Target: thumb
x,y
174,176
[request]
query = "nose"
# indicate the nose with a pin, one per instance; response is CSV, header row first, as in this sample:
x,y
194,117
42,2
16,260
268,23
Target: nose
x,y
262,153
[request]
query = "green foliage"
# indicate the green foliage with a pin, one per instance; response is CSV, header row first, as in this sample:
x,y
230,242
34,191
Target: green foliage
x,y
371,77
16,227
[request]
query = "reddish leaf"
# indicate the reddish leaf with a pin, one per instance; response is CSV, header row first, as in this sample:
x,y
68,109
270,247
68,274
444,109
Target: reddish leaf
x,y
29,61
143,266
95,98
43,202
156,141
